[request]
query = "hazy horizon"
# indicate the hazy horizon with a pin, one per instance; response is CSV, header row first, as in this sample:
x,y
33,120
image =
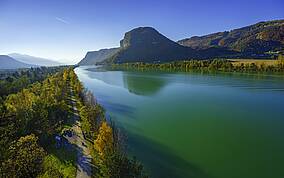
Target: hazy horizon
x,y
65,31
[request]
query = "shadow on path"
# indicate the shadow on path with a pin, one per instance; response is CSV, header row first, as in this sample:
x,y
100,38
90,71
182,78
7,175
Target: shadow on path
x,y
84,159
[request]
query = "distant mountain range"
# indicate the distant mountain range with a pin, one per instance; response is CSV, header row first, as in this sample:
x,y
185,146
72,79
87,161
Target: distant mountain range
x,y
7,62
15,60
145,44
34,60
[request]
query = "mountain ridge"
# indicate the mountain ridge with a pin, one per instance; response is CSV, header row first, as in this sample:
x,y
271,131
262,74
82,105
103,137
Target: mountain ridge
x,y
7,62
249,40
146,44
94,57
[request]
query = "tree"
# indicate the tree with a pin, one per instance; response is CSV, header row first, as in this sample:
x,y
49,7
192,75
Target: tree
x,y
104,142
280,57
104,148
25,158
21,105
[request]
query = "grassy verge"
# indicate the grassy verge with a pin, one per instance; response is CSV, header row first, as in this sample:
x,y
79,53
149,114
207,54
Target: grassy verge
x,y
55,167
60,162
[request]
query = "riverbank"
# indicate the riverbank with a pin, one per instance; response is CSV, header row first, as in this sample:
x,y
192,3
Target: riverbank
x,y
103,139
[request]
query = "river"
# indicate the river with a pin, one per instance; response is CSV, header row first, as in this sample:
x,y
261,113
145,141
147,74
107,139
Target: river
x,y
196,125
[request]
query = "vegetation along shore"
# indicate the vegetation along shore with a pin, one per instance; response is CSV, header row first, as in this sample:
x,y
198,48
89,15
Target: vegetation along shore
x,y
233,65
49,122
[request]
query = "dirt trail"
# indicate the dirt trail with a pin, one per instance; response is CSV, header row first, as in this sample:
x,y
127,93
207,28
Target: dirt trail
x,y
84,159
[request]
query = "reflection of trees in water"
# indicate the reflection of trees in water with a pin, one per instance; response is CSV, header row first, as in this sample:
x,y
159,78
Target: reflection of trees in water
x,y
118,108
150,83
143,84
109,77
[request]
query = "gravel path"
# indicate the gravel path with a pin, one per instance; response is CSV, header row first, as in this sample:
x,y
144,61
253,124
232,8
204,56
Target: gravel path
x,y
84,159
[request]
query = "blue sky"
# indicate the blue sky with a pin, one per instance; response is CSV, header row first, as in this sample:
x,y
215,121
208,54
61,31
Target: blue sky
x,y
66,29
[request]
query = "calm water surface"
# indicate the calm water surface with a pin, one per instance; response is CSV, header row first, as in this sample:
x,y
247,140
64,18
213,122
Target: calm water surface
x,y
196,125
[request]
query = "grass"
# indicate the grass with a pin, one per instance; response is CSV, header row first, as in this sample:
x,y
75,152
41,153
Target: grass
x,y
59,163
54,167
257,62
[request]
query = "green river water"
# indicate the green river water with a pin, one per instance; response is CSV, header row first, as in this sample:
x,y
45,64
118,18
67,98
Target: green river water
x,y
196,125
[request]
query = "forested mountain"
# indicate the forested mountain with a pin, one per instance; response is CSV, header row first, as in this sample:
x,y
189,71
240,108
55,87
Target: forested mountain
x,y
34,60
252,40
93,57
7,62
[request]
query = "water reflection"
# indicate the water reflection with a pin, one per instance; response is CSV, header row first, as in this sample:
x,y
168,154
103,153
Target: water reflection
x,y
119,108
138,83
150,83
112,78
143,84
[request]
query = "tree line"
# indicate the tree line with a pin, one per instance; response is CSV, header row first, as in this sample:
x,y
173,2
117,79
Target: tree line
x,y
107,142
207,65
14,81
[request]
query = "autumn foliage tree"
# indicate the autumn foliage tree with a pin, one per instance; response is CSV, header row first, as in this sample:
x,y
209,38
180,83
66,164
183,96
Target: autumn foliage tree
x,y
110,160
104,142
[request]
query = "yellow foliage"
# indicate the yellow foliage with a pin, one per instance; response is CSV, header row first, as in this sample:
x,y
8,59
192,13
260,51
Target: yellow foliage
x,y
22,100
104,142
